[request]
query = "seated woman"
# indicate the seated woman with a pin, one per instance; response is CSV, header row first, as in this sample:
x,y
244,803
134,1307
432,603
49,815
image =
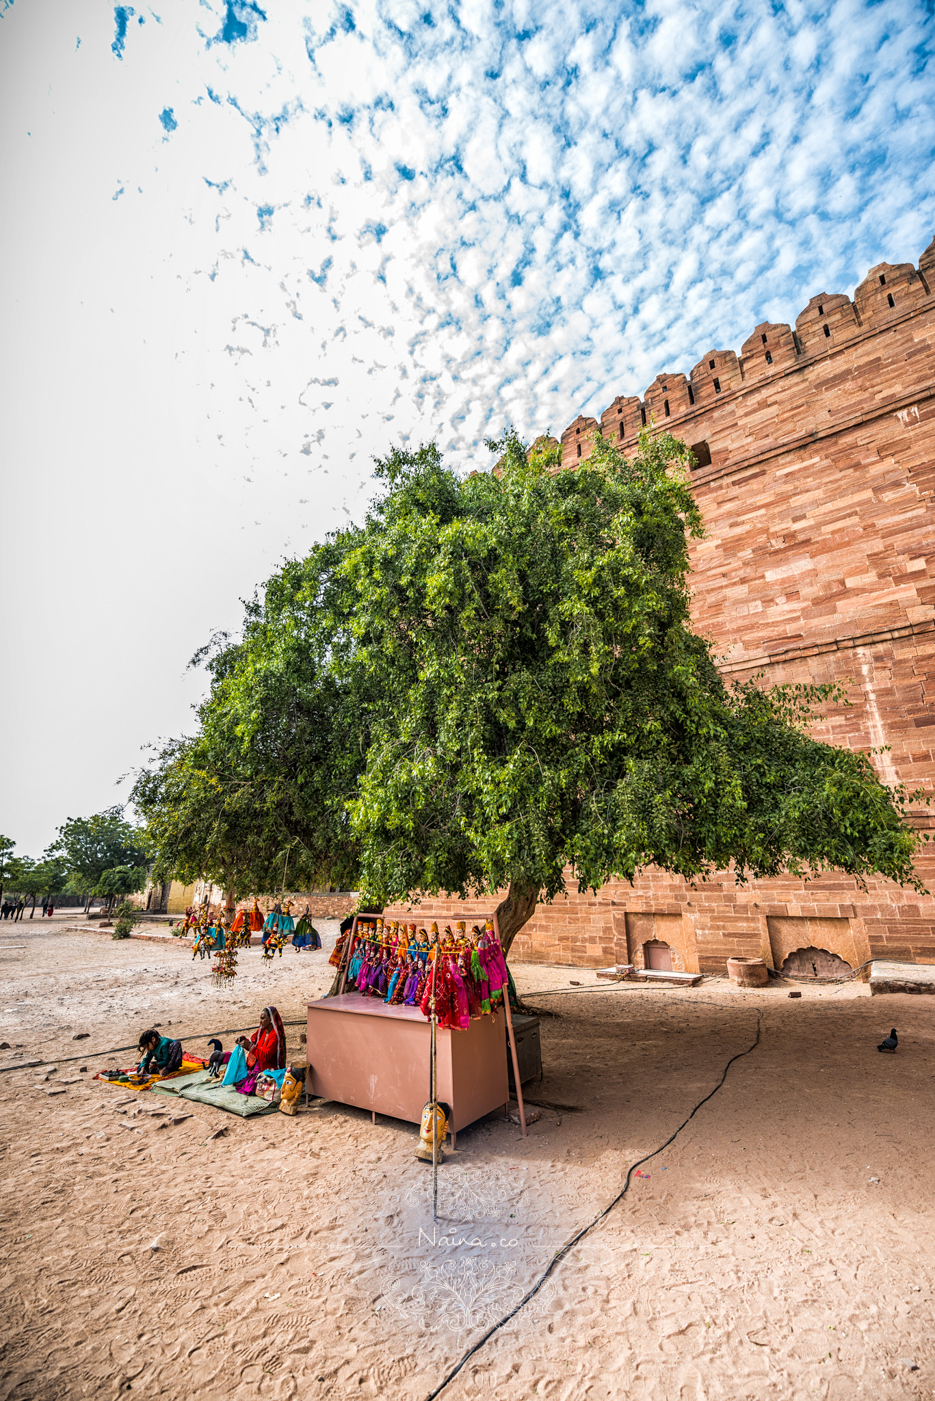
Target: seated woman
x,y
269,1041
163,1055
265,1051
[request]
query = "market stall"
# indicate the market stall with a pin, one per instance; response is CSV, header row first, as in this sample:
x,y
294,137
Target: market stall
x,y
370,1048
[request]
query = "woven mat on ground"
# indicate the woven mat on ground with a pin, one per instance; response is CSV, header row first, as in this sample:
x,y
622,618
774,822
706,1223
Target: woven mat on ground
x,y
123,1082
226,1097
177,1083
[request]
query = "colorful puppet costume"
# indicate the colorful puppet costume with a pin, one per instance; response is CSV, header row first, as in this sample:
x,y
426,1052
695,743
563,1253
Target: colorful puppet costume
x,y
306,936
204,943
286,922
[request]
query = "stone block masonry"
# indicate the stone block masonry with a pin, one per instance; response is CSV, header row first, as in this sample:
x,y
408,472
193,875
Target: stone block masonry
x,y
815,474
322,904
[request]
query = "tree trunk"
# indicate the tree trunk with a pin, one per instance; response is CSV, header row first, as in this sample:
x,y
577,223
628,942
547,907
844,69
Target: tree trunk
x,y
513,912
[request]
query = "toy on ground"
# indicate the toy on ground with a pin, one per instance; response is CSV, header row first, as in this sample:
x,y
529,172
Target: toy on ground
x,y
440,1119
292,1087
216,1059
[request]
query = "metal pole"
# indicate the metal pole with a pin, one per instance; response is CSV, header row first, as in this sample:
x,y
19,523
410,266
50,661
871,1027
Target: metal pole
x,y
434,1084
285,868
509,1030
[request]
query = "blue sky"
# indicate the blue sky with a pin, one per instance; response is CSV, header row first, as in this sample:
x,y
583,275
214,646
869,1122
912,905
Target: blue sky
x,y
250,245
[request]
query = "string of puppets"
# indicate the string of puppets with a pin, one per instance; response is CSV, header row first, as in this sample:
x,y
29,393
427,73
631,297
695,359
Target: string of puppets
x,y
216,933
394,962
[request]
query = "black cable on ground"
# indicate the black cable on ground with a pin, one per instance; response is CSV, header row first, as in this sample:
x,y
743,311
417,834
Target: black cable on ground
x,y
115,1050
579,1235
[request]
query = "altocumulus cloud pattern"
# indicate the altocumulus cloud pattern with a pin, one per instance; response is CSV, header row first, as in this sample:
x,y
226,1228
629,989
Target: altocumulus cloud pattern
x,y
421,220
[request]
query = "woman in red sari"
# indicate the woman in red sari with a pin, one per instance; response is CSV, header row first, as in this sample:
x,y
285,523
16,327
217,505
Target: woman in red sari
x,y
269,1041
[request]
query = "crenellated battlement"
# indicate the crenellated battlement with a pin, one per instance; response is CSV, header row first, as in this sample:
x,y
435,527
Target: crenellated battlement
x,y
829,321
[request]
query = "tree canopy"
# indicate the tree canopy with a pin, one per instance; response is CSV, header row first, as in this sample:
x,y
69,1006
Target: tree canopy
x,y
7,847
87,847
32,878
122,880
492,679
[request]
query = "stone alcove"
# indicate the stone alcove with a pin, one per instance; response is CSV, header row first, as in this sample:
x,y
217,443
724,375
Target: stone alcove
x,y
813,962
813,946
664,941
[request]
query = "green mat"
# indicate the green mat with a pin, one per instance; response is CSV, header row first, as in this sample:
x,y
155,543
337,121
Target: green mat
x,y
226,1097
180,1083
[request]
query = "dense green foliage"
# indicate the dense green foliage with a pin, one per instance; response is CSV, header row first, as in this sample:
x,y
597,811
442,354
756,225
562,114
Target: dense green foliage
x,y
495,678
7,847
34,878
87,847
122,880
27,878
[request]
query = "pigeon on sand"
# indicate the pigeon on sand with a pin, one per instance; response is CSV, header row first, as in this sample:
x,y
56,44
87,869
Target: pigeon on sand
x,y
889,1043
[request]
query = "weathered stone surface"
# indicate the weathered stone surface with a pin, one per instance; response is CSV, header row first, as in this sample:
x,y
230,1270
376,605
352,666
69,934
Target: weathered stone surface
x,y
656,975
901,977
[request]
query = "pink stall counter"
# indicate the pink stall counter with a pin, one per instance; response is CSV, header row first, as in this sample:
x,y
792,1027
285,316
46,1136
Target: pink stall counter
x,y
376,1057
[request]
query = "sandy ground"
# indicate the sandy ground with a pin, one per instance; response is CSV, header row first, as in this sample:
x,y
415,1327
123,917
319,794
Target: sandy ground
x,y
781,1246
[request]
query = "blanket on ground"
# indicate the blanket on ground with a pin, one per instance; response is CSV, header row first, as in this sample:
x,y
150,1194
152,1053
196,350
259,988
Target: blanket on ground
x,y
180,1082
228,1098
130,1079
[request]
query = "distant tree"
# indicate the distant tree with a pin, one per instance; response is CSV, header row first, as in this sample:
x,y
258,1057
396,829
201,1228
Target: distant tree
x,y
6,851
122,880
32,879
90,846
494,679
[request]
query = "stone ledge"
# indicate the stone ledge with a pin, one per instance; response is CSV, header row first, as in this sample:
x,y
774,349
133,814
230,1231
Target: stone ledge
x,y
626,971
901,977
657,975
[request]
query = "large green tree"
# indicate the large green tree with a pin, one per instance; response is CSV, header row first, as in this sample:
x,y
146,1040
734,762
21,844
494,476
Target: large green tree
x,y
121,880
494,679
87,847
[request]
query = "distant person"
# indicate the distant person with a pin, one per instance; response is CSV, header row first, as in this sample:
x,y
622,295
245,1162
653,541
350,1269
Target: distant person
x,y
50,909
5,911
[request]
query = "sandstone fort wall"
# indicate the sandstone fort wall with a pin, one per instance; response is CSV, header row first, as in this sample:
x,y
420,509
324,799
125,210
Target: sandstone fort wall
x,y
815,477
